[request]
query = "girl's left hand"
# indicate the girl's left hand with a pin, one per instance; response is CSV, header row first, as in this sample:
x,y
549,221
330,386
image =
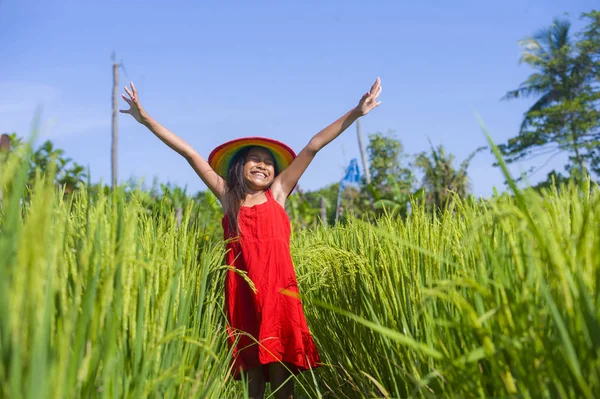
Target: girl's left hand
x,y
369,100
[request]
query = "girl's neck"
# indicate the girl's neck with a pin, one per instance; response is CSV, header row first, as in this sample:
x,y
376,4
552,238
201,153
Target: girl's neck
x,y
254,197
254,193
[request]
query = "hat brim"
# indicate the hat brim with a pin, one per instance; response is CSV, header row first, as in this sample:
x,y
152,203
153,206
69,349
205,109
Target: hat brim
x,y
220,158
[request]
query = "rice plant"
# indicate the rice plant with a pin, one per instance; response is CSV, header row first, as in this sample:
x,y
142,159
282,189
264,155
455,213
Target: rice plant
x,y
99,298
488,300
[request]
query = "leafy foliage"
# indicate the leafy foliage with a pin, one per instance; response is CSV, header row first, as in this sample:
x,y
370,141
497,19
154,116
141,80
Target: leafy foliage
x,y
68,174
565,117
391,176
440,178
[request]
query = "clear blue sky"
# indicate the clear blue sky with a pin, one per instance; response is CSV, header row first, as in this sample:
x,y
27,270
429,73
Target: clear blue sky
x,y
283,69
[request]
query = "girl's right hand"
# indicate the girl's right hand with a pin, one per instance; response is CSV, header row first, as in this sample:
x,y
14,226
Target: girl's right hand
x,y
135,108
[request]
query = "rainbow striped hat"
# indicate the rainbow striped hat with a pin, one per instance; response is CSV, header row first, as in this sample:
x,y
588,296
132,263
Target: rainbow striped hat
x,y
220,158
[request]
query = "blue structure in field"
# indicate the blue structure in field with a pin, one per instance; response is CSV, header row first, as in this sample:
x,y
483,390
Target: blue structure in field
x,y
352,177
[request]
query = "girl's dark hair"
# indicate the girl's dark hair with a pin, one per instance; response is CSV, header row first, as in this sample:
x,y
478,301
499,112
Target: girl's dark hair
x,y
237,189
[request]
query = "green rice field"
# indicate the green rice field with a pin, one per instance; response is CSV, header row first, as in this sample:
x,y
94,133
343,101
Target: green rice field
x,y
100,298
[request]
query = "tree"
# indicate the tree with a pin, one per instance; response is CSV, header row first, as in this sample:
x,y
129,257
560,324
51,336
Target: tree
x,y
589,58
440,178
564,117
391,176
302,213
553,179
307,214
69,174
391,185
396,201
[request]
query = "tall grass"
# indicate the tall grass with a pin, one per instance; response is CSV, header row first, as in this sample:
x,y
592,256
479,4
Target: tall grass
x,y
487,300
98,298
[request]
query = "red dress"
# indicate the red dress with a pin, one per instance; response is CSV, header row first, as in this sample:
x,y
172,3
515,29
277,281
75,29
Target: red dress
x,y
274,319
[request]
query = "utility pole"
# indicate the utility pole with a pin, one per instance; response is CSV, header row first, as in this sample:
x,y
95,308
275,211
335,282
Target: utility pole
x,y
115,133
363,153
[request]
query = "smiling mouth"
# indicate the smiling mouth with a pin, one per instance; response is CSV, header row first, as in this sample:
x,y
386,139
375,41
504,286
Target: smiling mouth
x,y
259,174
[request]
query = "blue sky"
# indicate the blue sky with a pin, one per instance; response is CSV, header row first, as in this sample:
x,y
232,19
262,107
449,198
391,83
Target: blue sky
x,y
216,71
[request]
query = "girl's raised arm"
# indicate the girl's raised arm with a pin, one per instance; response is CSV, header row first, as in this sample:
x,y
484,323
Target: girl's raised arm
x,y
287,179
212,180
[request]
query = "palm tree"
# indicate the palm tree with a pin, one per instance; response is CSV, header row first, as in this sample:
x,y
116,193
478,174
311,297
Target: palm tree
x,y
546,52
43,157
440,178
559,78
71,178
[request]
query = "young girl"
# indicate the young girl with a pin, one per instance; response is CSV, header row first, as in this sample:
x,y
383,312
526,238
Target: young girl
x,y
252,177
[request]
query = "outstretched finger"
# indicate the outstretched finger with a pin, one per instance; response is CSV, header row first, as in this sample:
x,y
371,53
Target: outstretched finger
x,y
378,92
128,101
135,93
375,85
374,94
124,111
129,92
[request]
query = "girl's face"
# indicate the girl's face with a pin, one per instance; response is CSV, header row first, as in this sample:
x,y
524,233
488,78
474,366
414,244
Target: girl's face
x,y
259,169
